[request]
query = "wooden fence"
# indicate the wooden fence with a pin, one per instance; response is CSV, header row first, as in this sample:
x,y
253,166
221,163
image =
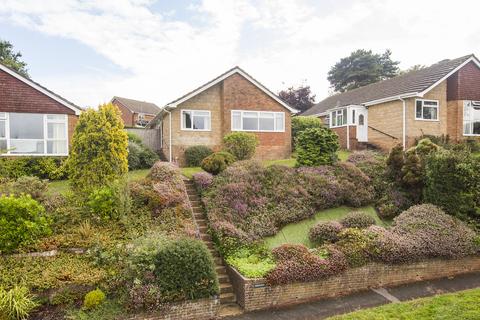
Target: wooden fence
x,y
150,137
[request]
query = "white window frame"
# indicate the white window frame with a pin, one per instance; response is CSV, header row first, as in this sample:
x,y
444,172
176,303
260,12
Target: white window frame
x,y
337,113
463,116
259,113
192,111
427,100
45,137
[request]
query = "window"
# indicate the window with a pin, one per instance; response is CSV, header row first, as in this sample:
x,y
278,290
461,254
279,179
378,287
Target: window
x,y
258,121
32,133
426,110
196,120
471,118
338,118
353,116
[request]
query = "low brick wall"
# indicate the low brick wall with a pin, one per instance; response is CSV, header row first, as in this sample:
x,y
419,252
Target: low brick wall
x,y
202,309
254,294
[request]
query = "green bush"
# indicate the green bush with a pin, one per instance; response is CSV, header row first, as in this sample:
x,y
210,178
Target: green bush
x,y
357,219
453,183
26,185
217,162
52,168
355,244
184,269
316,146
194,155
93,299
98,155
22,220
139,155
301,123
252,261
110,202
240,144
16,303
325,232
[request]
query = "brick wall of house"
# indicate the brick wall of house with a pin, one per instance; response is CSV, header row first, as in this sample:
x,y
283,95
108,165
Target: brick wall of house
x,y
127,115
17,96
203,309
387,118
465,83
72,123
254,294
342,137
234,93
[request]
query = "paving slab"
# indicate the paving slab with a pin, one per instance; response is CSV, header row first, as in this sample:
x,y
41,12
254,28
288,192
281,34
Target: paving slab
x,y
366,299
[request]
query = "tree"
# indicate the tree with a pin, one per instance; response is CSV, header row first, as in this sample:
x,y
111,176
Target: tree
x,y
415,67
300,98
99,153
12,59
362,67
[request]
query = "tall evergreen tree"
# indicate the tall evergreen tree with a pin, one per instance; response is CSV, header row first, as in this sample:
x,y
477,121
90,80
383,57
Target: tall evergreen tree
x,y
12,59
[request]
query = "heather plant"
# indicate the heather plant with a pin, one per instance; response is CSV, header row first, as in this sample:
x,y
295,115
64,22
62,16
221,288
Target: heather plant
x,y
203,181
241,145
351,178
392,203
325,232
357,219
32,186
316,146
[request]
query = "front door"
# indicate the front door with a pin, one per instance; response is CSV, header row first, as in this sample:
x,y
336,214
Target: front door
x,y
362,124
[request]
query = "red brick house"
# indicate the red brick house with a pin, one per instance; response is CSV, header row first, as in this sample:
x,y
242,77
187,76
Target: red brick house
x,y
234,101
135,113
442,99
34,121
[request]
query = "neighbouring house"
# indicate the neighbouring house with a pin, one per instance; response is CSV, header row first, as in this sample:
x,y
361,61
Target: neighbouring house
x,y
443,99
234,101
135,113
34,121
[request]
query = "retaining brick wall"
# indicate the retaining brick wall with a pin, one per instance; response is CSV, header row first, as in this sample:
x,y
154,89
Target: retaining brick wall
x,y
254,294
202,309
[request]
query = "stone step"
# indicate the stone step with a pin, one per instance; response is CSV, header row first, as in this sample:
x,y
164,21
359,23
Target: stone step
x,y
217,260
206,237
229,310
198,215
226,288
195,203
223,278
227,297
203,229
201,221
220,269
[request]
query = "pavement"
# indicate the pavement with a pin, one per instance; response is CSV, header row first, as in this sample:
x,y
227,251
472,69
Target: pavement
x,y
366,299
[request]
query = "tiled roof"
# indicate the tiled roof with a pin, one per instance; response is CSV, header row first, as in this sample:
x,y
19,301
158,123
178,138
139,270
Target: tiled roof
x,y
138,106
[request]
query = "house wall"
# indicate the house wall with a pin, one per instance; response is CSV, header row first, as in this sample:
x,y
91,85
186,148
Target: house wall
x,y
234,93
127,115
465,83
342,136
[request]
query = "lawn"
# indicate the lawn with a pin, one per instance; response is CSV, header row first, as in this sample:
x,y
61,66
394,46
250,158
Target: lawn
x,y
62,186
460,305
298,232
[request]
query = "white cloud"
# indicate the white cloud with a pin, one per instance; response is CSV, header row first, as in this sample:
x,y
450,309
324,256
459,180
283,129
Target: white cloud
x,y
300,40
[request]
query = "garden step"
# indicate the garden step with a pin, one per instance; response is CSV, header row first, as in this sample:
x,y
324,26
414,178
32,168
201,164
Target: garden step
x,y
227,297
217,260
226,288
193,197
198,215
206,237
201,221
221,269
223,278
229,310
195,203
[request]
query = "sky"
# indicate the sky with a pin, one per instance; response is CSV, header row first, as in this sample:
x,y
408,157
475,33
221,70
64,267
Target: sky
x,y
156,51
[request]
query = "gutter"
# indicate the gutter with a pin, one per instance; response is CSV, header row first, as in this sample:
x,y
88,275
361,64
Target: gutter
x,y
169,135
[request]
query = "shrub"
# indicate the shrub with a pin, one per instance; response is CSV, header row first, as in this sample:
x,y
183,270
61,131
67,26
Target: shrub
x,y
217,162
93,299
355,245
240,144
392,203
110,202
316,146
357,219
395,162
184,269
22,220
325,232
356,187
16,303
51,168
252,261
453,183
98,154
139,155
33,186
194,155
301,123
202,181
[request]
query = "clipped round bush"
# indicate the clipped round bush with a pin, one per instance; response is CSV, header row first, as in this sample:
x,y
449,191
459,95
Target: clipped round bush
x,y
217,162
184,269
22,221
194,155
325,232
301,123
93,299
240,144
357,219
316,146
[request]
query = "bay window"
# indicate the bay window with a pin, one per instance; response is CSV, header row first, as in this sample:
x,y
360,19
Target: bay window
x,y
426,110
258,121
196,120
33,134
338,118
471,118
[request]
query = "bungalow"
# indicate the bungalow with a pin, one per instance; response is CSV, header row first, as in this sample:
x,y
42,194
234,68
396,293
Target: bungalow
x,y
443,99
234,101
34,121
135,113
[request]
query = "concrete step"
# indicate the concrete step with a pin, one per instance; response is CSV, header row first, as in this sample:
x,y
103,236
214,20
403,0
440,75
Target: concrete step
x,y
227,297
223,278
217,260
226,288
206,237
220,269
229,310
201,221
195,203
